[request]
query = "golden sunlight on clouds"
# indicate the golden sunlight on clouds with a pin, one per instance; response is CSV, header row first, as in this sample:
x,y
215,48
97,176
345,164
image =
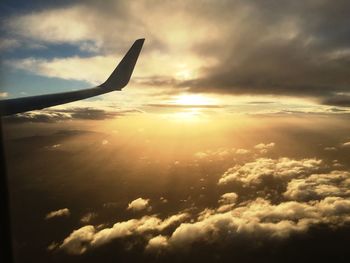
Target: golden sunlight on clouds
x,y
188,115
230,143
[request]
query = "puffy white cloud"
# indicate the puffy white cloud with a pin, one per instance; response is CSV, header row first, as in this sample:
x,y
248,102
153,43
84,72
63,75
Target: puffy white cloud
x,y
73,28
94,69
264,147
309,194
227,202
89,237
157,243
253,173
316,199
58,213
242,151
172,220
259,219
85,219
138,204
76,242
316,186
228,198
346,144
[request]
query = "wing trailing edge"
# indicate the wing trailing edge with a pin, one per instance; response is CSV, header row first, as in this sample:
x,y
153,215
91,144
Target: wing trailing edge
x,y
117,80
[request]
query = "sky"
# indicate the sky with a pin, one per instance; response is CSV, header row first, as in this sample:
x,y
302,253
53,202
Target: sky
x,y
230,143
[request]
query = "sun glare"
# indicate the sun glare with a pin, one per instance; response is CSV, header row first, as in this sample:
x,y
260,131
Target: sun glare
x,y
191,106
189,115
193,99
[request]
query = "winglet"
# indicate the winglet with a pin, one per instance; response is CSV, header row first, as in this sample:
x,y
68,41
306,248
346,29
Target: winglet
x,y
122,73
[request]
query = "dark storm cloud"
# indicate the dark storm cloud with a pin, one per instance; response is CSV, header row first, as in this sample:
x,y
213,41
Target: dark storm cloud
x,y
278,47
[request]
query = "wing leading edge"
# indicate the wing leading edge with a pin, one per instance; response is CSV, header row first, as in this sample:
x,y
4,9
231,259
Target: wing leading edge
x,y
116,81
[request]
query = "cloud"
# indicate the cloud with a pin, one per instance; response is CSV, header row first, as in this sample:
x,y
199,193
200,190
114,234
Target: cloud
x,y
317,186
74,244
163,200
342,100
227,202
84,25
3,94
157,243
221,153
69,113
274,38
346,144
94,70
38,116
138,204
88,237
87,218
255,220
259,220
263,148
330,148
68,30
308,194
242,151
92,113
9,44
228,198
64,212
253,173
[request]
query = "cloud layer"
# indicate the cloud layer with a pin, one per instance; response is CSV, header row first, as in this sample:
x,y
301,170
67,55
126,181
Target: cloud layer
x,y
308,193
238,47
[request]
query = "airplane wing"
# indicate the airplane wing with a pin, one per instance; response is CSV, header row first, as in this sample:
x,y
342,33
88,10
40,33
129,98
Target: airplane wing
x,y
116,81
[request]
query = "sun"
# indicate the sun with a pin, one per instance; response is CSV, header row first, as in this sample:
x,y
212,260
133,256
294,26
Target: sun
x,y
191,107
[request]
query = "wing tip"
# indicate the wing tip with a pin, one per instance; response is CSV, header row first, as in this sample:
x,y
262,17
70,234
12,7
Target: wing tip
x,y
122,73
